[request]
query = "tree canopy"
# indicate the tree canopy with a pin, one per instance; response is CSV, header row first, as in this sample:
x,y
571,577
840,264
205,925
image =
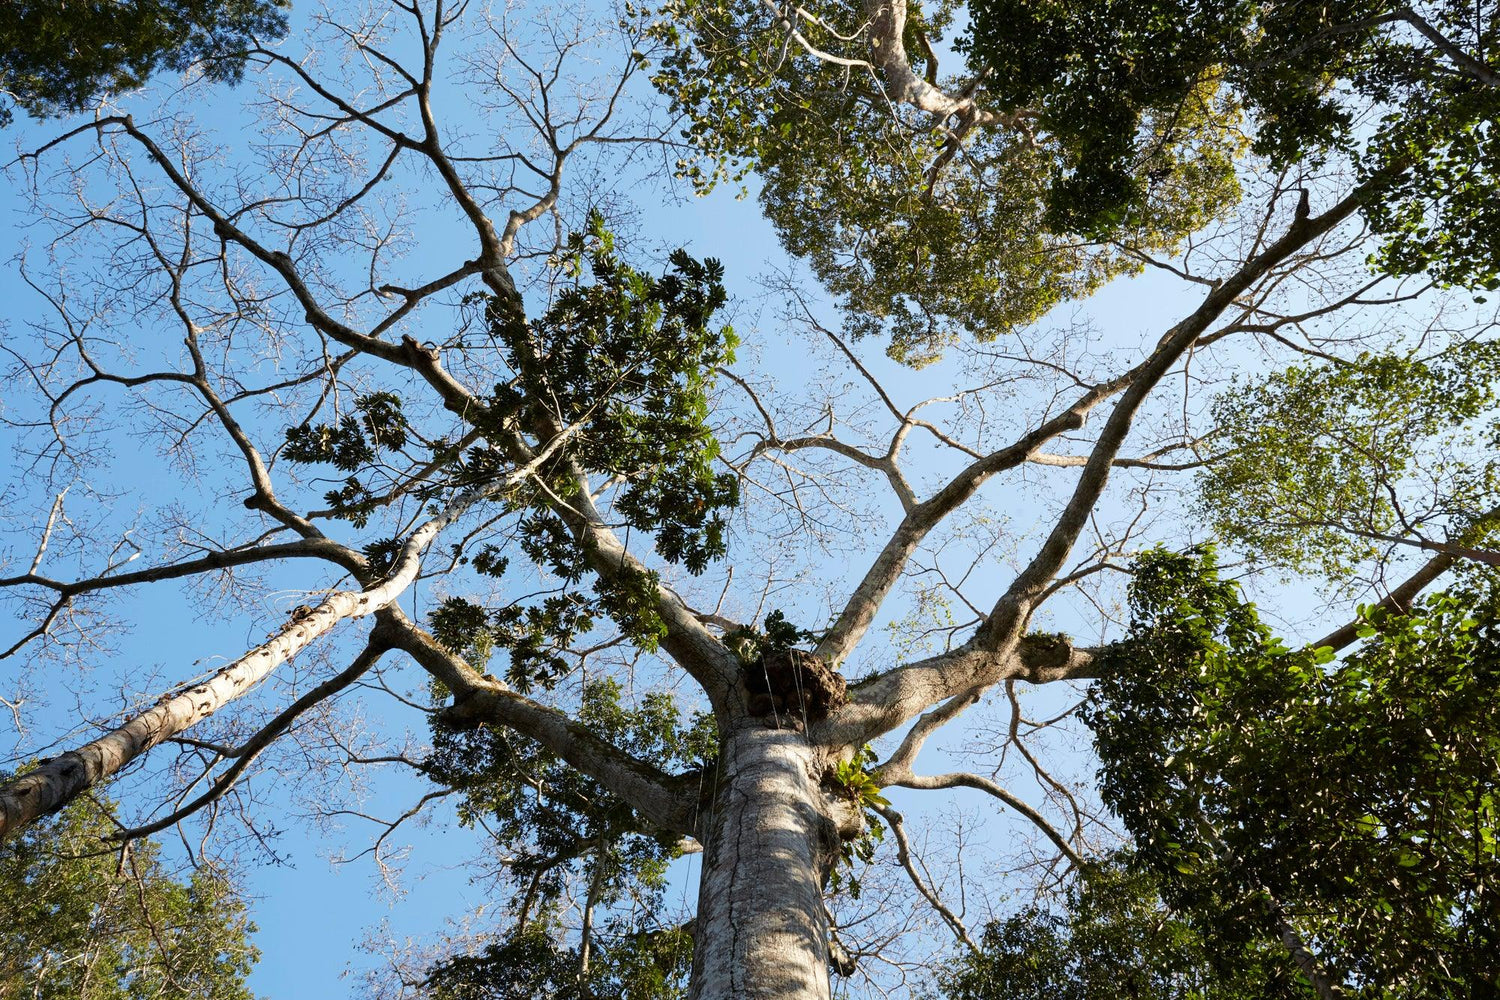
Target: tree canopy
x,y
1278,794
57,58
86,923
1075,137
1112,934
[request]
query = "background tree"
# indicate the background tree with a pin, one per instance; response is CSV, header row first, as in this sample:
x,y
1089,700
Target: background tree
x,y
1348,809
1112,934
1076,138
88,923
57,58
539,436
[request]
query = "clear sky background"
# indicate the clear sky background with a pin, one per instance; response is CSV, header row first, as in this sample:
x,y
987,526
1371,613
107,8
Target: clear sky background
x,y
311,911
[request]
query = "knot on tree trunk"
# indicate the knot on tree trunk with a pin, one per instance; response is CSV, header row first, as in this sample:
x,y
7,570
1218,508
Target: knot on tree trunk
x,y
795,685
1045,655
469,710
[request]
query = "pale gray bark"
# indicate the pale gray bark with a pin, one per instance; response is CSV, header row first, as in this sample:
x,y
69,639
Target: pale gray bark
x,y
1306,961
57,781
887,19
761,929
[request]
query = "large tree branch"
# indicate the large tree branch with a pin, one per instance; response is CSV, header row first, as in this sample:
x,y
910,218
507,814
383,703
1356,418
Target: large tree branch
x,y
1014,608
888,565
1306,961
1398,600
956,679
906,779
995,652
307,548
56,782
903,85
1474,67
689,642
483,700
246,753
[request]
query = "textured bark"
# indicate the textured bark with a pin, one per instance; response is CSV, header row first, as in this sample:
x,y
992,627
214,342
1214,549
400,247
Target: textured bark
x,y
761,928
887,19
58,781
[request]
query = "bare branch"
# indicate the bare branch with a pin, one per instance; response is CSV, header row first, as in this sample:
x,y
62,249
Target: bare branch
x,y
903,854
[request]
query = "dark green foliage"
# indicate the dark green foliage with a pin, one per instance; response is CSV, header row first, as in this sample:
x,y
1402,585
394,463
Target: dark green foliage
x,y
630,600
59,56
523,966
632,358
779,634
351,445
534,635
79,925
550,820
382,553
1112,937
344,447
1095,73
353,502
1311,75
490,562
1361,797
1440,216
356,440
650,965
1316,459
623,364
782,634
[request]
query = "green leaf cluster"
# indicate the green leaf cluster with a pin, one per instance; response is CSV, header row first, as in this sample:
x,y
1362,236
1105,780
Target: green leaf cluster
x,y
80,924
354,442
857,780
1358,798
854,779
551,821
377,424
631,358
644,965
779,634
625,362
549,815
1111,936
1114,85
535,635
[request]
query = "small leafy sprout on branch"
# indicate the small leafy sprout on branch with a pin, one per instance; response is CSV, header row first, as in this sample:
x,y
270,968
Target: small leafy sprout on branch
x,y
857,781
854,779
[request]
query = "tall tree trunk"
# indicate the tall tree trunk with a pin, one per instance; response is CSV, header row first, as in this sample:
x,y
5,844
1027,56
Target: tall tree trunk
x,y
761,929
